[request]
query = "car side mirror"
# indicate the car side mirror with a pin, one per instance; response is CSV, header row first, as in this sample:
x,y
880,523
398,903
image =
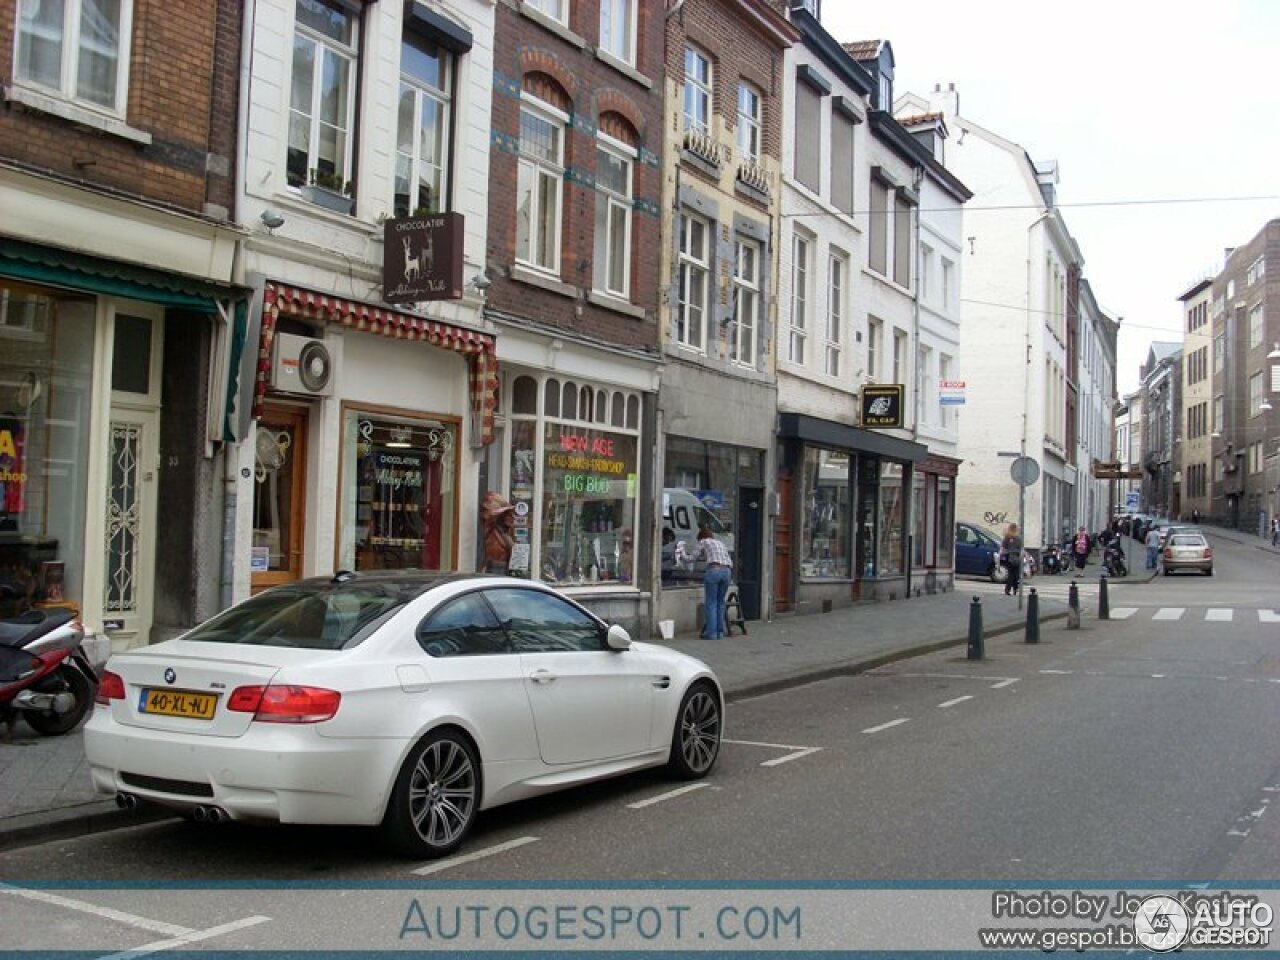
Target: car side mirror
x,y
617,638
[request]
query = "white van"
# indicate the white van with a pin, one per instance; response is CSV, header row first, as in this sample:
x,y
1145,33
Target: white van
x,y
684,514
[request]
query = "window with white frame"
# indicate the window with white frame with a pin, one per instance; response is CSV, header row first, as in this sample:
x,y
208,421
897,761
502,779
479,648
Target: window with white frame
x,y
746,302
945,369
899,356
837,281
695,277
555,9
875,348
926,273
878,228
322,95
1255,394
901,241
799,299
1255,325
422,128
618,29
76,49
614,161
749,121
1256,271
948,270
1219,406
697,91
926,387
538,185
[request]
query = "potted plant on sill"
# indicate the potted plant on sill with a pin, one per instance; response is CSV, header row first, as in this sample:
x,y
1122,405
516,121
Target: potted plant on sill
x,y
330,191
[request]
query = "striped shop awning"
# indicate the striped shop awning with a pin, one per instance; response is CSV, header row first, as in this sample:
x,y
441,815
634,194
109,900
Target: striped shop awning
x,y
479,348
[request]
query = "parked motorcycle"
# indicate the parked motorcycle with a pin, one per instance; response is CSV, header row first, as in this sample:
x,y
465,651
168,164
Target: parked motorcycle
x,y
44,672
1113,561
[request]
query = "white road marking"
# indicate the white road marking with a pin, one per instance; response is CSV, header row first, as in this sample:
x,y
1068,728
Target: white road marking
x,y
790,756
1169,613
1061,673
952,703
1157,676
478,855
106,913
1004,683
1219,614
886,726
195,936
887,672
1123,613
669,795
1268,616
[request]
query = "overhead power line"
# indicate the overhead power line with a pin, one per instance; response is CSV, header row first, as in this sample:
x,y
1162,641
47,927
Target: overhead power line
x,y
967,207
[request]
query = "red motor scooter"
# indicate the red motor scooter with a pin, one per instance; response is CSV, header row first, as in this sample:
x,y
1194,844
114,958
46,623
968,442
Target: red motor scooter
x,y
44,672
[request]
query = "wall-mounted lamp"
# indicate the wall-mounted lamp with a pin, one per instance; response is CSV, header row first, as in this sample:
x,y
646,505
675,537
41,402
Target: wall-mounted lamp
x,y
271,219
480,282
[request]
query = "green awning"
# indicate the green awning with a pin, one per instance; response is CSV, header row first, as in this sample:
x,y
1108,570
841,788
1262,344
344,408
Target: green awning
x,y
114,278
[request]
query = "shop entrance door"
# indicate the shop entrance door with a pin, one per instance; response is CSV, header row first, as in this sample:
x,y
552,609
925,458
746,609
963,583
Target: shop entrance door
x,y
133,459
747,553
279,496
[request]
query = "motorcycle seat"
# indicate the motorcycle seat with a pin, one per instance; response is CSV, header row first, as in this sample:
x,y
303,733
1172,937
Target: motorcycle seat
x,y
20,630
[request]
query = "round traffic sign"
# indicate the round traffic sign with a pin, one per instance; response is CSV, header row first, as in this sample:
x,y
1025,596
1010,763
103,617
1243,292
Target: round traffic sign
x,y
1025,471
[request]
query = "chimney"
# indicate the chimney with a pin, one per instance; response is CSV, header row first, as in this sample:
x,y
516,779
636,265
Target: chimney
x,y
945,100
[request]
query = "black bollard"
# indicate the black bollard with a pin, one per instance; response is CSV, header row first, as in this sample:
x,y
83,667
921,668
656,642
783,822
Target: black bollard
x,y
1073,608
1104,605
975,629
1033,617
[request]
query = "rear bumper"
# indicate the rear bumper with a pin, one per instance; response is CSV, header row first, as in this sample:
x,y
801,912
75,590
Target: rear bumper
x,y
1174,566
275,772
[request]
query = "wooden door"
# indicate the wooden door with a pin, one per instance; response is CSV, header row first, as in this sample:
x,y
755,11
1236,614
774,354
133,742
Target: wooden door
x,y
279,496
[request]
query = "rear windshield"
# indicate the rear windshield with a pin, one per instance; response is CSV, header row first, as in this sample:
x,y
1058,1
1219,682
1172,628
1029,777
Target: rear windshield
x,y
1188,540
317,619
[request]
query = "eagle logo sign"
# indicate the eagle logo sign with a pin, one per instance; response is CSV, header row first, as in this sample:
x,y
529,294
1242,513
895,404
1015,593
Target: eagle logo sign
x,y
879,407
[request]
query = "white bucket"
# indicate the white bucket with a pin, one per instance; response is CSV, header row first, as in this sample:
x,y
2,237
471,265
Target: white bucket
x,y
668,629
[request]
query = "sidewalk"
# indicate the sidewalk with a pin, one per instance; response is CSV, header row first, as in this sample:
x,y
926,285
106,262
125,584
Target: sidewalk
x,y
45,790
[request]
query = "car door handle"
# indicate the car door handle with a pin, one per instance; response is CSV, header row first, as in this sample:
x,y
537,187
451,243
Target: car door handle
x,y
662,683
542,676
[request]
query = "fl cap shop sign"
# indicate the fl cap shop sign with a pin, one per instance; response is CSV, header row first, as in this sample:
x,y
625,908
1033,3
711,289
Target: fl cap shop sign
x,y
882,405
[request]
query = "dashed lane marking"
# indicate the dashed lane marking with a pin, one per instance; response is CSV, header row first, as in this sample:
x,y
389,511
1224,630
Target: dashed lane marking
x,y
1268,616
886,726
793,752
952,703
449,862
106,913
1219,614
669,795
1169,613
1123,613
1004,683
195,936
1059,673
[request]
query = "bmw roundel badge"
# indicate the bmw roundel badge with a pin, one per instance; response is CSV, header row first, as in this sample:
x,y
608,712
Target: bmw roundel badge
x,y
169,675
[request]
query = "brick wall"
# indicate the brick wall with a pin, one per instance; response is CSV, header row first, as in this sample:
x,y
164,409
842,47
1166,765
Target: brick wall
x,y
526,53
183,77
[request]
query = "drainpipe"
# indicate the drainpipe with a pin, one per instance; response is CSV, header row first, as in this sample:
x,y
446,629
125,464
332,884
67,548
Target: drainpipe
x,y
230,450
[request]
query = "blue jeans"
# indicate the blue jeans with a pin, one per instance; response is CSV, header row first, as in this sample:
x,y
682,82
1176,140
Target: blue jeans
x,y
715,585
1153,557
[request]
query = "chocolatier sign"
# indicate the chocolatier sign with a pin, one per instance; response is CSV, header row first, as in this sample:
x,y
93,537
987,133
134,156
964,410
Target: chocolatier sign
x,y
422,258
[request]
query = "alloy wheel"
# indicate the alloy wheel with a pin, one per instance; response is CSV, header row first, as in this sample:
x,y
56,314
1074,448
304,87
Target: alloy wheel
x,y
442,793
700,731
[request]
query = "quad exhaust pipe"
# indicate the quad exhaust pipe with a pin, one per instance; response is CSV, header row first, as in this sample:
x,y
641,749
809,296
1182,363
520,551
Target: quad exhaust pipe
x,y
209,814
126,801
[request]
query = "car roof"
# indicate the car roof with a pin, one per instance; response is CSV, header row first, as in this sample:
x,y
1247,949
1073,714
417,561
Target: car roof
x,y
423,580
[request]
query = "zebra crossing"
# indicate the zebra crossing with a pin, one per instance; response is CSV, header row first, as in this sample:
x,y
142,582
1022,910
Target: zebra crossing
x,y
1049,588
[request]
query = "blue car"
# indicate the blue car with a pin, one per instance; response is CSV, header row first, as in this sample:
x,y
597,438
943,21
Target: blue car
x,y
978,553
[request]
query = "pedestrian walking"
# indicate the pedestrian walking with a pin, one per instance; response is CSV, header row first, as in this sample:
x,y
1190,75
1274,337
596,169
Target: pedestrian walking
x,y
1275,530
715,581
1011,558
1195,517
1152,543
1080,549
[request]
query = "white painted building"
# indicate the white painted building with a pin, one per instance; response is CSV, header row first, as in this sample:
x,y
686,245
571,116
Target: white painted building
x,y
1018,264
351,114
1095,412
1128,433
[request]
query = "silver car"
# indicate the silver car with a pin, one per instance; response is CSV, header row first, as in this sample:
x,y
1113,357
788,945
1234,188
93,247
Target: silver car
x,y
1188,551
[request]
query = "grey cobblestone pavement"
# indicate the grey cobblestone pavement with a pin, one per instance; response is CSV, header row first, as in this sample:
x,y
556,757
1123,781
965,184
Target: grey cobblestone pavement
x,y
45,789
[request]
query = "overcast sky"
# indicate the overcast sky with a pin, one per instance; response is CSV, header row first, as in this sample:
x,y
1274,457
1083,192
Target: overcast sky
x,y
1137,100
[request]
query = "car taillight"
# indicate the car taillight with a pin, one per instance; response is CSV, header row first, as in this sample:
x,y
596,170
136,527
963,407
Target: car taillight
x,y
110,687
1208,553
285,703
1168,553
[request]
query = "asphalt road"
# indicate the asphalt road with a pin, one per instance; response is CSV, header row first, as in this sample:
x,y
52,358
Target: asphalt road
x,y
1137,750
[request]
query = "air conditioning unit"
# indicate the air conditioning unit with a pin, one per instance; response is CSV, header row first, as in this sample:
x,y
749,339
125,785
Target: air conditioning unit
x,y
302,365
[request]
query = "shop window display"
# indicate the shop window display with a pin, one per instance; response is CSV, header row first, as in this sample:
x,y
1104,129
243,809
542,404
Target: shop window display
x,y
827,516
46,362
892,520
700,488
399,503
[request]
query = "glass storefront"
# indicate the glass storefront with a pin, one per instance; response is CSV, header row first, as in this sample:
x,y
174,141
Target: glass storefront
x,y
46,381
574,476
700,488
892,520
399,500
827,548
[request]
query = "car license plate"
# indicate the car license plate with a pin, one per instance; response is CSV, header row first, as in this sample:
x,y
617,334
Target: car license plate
x,y
178,703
